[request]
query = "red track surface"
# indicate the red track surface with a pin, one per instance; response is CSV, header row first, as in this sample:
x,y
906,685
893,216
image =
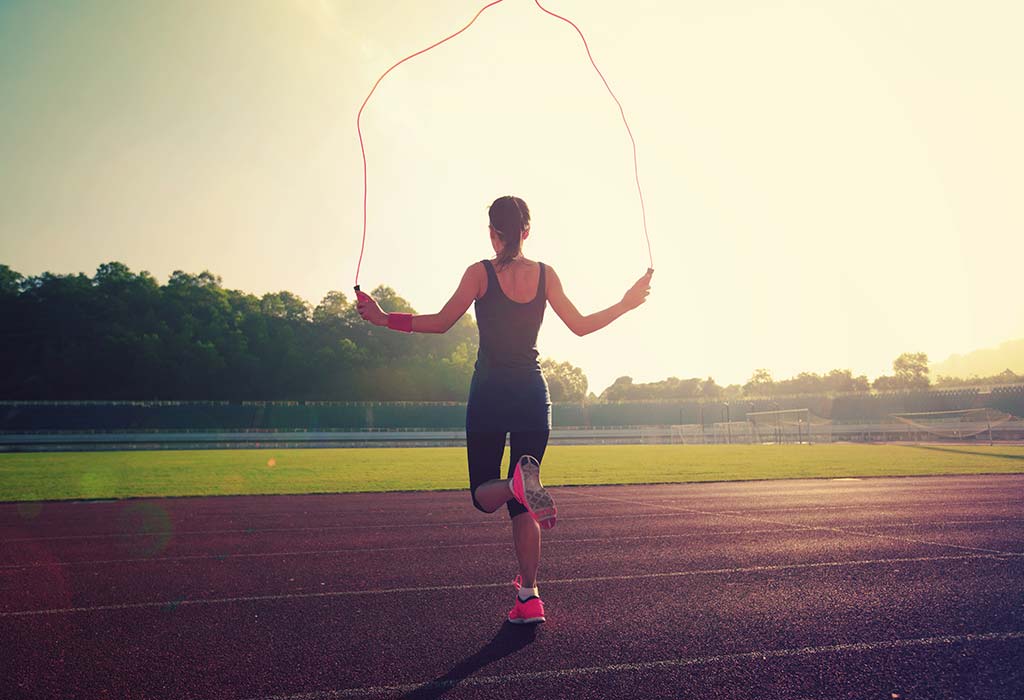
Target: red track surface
x,y
794,589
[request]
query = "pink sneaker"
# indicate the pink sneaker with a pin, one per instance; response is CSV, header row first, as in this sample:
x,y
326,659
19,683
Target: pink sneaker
x,y
526,612
528,490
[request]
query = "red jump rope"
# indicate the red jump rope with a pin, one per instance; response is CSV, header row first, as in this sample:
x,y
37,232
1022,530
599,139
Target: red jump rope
x,y
636,169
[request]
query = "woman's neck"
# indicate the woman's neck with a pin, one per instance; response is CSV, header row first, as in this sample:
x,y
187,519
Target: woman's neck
x,y
517,259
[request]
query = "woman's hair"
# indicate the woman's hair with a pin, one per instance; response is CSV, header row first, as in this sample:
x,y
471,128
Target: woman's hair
x,y
509,218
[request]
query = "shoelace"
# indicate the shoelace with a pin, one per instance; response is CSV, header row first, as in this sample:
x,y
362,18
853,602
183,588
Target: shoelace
x,y
517,582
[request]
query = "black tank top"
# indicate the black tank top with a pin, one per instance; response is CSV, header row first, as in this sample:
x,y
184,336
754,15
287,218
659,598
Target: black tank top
x,y
508,329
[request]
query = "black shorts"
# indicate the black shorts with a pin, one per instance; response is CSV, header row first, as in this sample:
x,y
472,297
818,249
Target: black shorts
x,y
508,400
485,450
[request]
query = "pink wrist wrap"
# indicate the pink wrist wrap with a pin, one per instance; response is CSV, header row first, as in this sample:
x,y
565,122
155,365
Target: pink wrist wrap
x,y
400,322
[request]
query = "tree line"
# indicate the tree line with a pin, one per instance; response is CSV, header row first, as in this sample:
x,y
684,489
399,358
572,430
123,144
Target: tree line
x,y
910,372
121,335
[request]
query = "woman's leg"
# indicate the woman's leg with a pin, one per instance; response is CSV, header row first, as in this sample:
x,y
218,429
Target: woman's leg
x,y
526,530
492,494
526,536
485,450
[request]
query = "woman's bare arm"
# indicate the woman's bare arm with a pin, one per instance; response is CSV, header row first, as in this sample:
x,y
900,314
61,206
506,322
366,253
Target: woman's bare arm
x,y
582,325
465,295
440,322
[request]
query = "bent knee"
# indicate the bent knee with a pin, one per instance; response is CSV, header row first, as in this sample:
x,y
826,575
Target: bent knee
x,y
476,503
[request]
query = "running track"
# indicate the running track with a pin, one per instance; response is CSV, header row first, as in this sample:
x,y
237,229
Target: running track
x,y
880,588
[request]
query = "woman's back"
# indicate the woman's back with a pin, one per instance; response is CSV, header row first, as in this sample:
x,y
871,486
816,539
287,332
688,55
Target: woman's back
x,y
509,317
519,279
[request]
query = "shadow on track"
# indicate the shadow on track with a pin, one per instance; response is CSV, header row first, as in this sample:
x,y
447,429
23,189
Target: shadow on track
x,y
965,452
509,639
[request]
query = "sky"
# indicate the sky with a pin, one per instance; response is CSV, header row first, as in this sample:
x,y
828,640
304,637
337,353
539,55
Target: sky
x,y
827,185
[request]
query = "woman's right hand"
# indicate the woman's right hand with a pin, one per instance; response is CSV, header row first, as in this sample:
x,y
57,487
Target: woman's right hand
x,y
369,309
637,294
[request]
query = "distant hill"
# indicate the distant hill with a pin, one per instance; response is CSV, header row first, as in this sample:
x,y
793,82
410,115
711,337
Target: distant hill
x,y
983,363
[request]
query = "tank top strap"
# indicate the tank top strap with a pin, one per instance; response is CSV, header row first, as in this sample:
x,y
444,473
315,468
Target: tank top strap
x,y
542,290
492,275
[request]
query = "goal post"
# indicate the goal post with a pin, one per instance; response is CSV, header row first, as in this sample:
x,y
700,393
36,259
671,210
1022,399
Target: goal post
x,y
962,424
790,425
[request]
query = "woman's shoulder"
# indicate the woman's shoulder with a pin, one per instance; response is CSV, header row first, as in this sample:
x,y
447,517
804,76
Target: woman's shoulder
x,y
477,273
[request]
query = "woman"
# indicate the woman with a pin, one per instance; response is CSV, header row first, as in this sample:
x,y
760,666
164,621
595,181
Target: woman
x,y
508,394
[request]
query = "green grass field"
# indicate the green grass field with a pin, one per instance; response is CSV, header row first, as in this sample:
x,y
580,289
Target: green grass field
x,y
52,476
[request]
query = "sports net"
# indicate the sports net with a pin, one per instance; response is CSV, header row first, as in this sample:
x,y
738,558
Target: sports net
x,y
961,424
792,425
734,432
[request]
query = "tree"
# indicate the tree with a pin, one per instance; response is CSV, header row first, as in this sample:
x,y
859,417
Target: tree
x,y
710,390
10,282
911,370
842,380
113,273
803,383
759,384
285,305
389,299
1007,376
204,280
334,306
886,383
623,389
672,388
565,382
619,390
733,392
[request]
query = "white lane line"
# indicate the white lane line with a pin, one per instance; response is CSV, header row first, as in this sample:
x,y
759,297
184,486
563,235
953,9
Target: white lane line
x,y
246,530
902,506
664,664
943,523
172,604
821,528
492,522
482,523
878,535
442,524
550,541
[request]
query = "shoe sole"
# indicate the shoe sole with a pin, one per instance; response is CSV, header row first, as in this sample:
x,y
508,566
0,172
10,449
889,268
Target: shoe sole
x,y
537,500
527,621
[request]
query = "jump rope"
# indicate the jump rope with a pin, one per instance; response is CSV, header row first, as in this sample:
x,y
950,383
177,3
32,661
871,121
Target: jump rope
x,y
636,169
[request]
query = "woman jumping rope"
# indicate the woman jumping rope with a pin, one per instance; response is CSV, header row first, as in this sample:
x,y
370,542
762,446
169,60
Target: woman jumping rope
x,y
508,394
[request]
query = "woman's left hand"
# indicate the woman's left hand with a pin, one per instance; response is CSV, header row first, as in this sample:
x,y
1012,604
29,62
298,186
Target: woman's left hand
x,y
637,294
370,310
